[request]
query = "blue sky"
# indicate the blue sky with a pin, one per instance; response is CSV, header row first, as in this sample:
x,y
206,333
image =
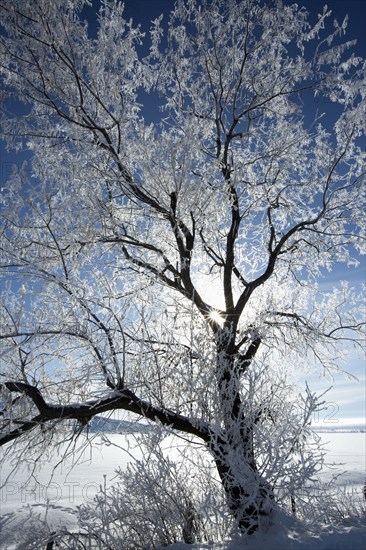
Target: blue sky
x,y
346,400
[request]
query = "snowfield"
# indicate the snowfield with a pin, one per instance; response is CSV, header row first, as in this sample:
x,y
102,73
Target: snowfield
x,y
78,480
346,458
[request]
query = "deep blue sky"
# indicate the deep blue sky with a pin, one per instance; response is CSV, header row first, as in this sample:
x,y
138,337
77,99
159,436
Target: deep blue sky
x,y
144,11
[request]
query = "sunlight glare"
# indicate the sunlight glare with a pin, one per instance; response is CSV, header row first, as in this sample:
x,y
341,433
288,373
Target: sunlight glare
x,y
216,317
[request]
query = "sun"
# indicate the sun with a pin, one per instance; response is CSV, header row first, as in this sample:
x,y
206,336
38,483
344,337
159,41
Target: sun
x,y
216,316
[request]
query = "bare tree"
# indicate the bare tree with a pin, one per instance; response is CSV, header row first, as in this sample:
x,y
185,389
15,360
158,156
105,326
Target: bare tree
x,y
170,268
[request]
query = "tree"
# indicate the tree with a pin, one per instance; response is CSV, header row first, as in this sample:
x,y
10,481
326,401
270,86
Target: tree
x,y
167,265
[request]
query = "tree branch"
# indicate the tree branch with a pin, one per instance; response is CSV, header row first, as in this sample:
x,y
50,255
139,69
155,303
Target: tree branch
x,y
124,399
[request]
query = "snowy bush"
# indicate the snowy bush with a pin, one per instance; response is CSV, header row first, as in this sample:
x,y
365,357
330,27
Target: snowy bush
x,y
32,529
159,501
329,503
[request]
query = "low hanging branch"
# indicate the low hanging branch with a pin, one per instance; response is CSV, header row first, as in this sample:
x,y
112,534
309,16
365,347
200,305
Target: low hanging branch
x,y
122,400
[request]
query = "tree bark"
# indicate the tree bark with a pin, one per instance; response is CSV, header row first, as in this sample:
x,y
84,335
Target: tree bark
x,y
249,496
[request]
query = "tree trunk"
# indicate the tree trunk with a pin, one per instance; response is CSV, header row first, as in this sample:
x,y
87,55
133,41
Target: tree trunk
x,y
249,496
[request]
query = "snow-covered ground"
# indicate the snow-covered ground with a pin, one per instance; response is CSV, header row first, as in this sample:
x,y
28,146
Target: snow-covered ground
x,y
346,458
76,480
74,483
